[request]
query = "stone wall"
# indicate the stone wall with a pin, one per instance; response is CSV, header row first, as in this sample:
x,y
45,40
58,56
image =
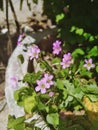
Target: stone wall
x,y
23,14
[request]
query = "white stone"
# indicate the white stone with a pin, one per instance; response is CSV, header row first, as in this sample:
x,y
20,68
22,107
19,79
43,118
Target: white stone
x,y
15,68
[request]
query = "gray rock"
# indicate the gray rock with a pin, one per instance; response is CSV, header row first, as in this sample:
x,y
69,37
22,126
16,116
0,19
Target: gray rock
x,y
4,118
2,104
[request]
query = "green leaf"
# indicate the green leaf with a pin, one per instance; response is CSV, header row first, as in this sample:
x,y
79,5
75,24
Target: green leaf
x,y
59,17
61,73
77,107
30,103
32,77
90,89
85,73
86,35
77,52
45,96
53,119
97,68
79,31
73,28
53,108
77,92
45,65
21,58
68,100
69,86
91,38
93,52
20,126
41,106
16,123
21,94
16,95
65,93
56,60
60,84
92,97
96,37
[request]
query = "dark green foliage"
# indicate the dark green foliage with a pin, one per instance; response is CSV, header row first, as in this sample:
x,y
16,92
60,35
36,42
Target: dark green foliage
x,y
77,24
17,124
32,77
82,14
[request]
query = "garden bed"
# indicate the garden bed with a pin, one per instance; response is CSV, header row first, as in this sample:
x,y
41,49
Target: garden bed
x,y
70,99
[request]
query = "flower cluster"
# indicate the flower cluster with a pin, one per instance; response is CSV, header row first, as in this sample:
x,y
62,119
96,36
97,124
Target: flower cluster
x,y
44,83
56,47
33,52
66,61
61,83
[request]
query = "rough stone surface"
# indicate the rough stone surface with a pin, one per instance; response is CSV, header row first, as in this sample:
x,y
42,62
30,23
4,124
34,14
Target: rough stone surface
x,y
4,118
4,111
2,92
21,14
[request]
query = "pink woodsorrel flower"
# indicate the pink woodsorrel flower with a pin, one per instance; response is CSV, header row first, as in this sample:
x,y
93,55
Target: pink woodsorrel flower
x,y
20,39
66,61
89,64
67,57
51,94
42,86
33,52
14,81
48,79
56,47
